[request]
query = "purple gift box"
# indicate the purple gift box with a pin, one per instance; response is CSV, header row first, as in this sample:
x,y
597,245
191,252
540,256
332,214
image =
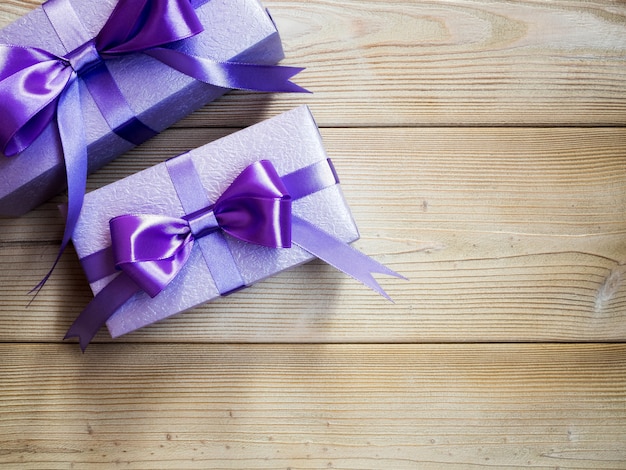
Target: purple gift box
x,y
321,223
158,95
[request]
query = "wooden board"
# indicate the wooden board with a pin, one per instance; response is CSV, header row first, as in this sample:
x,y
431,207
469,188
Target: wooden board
x,y
318,406
466,62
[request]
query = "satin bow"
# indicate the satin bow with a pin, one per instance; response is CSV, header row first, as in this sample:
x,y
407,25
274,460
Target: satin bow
x,y
36,86
152,249
33,80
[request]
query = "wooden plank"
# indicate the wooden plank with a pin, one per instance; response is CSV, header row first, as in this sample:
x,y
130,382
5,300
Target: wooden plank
x,y
546,296
447,63
559,181
11,10
505,235
317,406
433,63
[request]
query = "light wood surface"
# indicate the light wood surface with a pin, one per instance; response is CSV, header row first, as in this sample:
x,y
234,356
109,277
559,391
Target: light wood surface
x,y
482,149
318,406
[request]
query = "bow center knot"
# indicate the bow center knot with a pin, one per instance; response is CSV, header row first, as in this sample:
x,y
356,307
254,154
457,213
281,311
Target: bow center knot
x,y
84,59
203,222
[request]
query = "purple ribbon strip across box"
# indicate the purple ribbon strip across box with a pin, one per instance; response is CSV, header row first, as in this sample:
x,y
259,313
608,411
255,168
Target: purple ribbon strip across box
x,y
82,81
212,221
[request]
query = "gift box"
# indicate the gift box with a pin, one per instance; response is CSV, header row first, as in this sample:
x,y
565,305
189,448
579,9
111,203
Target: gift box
x,y
157,95
321,224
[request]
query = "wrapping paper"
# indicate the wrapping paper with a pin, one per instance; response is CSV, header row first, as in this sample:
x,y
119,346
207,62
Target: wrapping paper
x,y
238,30
290,141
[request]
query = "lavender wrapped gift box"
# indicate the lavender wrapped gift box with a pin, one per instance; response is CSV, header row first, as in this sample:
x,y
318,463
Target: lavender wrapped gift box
x,y
293,144
159,96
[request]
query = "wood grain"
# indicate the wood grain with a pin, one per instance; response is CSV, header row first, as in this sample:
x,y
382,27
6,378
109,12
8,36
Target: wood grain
x,y
317,406
566,296
481,149
408,63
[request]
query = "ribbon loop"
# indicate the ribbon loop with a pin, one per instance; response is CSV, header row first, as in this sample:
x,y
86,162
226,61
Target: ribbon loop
x,y
139,25
150,249
31,81
256,207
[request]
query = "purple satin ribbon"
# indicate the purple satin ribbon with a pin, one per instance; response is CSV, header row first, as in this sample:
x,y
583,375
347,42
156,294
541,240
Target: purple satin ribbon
x,y
150,250
37,87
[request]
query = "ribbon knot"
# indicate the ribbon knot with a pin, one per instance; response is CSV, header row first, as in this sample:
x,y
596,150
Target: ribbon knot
x,y
203,222
152,249
84,58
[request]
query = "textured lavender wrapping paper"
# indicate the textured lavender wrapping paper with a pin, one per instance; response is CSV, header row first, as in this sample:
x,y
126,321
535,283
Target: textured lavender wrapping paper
x,y
234,29
291,141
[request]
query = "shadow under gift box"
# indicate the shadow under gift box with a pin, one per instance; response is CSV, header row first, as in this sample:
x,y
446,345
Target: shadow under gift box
x,y
234,30
291,141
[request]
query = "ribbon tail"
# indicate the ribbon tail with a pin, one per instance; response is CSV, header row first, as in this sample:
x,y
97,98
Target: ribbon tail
x,y
252,77
74,143
100,309
339,254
